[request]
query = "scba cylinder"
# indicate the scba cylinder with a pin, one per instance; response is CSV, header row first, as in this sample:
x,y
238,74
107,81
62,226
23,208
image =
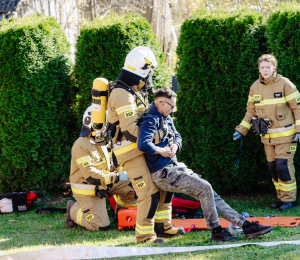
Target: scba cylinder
x,y
99,100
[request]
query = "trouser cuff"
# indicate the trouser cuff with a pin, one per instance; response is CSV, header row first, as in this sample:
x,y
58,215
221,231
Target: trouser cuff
x,y
213,225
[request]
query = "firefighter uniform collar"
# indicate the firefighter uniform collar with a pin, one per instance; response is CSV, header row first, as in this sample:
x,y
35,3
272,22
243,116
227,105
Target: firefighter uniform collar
x,y
275,77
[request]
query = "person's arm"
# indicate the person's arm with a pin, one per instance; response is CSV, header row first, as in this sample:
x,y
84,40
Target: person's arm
x,y
245,125
178,139
89,171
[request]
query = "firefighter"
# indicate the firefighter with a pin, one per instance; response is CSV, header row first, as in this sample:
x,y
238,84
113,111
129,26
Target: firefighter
x,y
273,110
92,180
126,104
170,175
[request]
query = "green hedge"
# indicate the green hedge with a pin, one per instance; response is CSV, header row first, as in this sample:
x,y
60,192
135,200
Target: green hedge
x,y
36,121
283,33
218,55
101,50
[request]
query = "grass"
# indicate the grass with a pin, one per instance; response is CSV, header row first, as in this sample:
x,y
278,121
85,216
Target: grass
x,y
27,231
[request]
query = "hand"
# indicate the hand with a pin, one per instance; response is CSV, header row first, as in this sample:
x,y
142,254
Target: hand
x,y
164,152
174,149
236,135
123,176
297,137
101,193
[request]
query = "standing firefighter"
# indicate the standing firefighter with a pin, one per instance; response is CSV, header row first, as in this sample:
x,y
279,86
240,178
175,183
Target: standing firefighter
x,y
273,110
126,104
91,182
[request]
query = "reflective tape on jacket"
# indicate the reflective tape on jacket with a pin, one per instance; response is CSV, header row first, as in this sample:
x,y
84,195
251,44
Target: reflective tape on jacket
x,y
297,122
83,159
97,164
250,99
245,124
293,95
127,108
144,229
83,189
281,129
122,203
165,214
270,101
124,148
277,135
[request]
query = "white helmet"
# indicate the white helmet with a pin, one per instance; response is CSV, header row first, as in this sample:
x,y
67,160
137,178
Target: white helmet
x,y
140,61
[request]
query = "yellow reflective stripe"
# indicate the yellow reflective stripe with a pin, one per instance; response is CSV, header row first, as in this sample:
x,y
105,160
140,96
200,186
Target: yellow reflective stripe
x,y
271,101
288,187
104,161
283,134
144,229
250,99
140,106
125,109
122,203
245,124
125,149
277,185
83,159
293,95
107,179
83,192
79,216
163,214
297,122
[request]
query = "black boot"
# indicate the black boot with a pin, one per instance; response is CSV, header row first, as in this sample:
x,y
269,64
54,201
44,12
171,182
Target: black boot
x,y
277,204
69,221
223,236
287,205
254,229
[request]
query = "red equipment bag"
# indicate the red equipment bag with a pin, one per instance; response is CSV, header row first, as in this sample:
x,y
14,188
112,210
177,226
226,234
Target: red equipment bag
x,y
31,197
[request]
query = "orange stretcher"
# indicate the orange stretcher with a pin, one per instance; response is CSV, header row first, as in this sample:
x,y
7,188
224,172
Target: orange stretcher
x,y
127,220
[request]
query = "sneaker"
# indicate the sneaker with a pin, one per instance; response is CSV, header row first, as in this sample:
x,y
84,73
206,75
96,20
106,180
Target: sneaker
x,y
277,204
154,240
256,229
69,221
287,205
223,236
170,232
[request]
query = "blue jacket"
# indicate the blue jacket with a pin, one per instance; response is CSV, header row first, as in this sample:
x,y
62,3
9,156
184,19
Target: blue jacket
x,y
149,123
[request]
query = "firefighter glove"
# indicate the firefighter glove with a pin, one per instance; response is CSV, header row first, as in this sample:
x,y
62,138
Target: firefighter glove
x,y
297,137
255,122
123,176
236,135
100,193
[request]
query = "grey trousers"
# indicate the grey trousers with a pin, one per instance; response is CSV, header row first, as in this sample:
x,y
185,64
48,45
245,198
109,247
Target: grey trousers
x,y
181,179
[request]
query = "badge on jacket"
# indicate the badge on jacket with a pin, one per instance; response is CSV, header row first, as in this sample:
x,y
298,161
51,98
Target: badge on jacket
x,y
277,95
256,97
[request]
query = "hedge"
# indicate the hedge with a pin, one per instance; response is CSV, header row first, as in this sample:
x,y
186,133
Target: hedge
x,y
36,121
283,33
218,55
101,50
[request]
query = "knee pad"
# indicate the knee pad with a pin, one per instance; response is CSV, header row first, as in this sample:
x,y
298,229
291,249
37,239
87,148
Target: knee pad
x,y
154,204
282,169
104,228
272,170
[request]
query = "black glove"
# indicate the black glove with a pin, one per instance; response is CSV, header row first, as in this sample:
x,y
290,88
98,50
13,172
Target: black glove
x,y
255,122
100,193
264,126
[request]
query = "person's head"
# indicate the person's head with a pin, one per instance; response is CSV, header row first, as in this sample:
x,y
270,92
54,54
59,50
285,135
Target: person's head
x,y
138,67
267,65
165,101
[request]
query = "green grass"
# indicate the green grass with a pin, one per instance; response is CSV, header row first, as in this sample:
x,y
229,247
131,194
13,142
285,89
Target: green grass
x,y
27,231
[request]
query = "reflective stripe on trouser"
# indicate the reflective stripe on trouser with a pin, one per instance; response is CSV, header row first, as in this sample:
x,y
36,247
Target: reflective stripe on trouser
x,y
192,184
90,213
284,179
148,196
164,211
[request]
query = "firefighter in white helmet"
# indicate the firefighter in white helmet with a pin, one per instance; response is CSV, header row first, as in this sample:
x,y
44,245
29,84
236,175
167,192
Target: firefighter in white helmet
x,y
126,104
92,179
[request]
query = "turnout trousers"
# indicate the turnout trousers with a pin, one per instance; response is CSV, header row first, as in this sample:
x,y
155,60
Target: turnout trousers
x,y
280,159
90,211
181,179
152,204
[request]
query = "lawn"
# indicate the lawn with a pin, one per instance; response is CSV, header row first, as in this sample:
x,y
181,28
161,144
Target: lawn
x,y
27,231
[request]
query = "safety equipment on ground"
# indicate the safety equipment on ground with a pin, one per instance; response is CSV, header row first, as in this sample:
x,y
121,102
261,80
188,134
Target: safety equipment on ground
x,y
236,135
123,176
13,202
98,109
260,125
297,137
140,61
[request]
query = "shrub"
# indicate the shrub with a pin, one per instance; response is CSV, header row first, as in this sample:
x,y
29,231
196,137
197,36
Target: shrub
x,y
284,39
101,50
218,55
36,122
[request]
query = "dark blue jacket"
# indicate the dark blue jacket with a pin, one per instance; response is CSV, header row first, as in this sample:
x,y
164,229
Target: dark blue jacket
x,y
149,123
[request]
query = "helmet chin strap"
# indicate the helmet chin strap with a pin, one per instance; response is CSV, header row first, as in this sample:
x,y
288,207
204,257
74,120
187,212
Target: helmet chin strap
x,y
141,84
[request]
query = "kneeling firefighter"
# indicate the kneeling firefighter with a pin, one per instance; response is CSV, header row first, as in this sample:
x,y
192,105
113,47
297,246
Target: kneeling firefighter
x,y
92,179
126,104
273,110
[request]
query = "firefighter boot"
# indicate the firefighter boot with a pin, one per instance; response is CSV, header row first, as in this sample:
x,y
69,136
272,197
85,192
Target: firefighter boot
x,y
154,240
170,232
69,221
287,205
277,204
